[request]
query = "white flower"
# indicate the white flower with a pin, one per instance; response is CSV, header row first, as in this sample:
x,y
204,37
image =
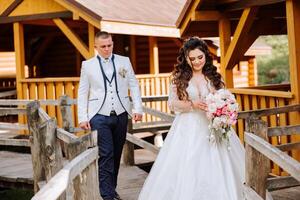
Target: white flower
x,y
222,109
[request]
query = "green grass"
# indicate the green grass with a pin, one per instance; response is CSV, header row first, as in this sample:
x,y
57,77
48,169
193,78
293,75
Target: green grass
x,y
15,194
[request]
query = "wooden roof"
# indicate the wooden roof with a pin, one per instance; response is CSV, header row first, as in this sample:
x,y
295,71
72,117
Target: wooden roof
x,y
202,16
155,12
156,17
133,17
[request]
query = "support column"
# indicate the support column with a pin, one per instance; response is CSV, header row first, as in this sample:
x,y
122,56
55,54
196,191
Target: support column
x,y
154,56
133,51
293,30
91,30
225,34
20,56
20,61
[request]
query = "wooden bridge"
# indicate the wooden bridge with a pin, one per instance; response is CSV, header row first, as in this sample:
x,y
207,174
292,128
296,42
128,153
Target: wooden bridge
x,y
63,165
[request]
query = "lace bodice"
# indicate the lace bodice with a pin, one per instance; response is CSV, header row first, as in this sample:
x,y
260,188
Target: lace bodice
x,y
196,92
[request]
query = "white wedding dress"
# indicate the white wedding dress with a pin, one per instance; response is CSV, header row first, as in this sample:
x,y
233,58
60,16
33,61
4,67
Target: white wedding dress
x,y
189,166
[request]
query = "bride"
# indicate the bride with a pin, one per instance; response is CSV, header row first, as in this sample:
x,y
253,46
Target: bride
x,y
189,166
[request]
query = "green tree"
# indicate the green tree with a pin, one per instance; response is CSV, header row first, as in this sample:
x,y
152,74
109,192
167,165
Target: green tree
x,y
274,68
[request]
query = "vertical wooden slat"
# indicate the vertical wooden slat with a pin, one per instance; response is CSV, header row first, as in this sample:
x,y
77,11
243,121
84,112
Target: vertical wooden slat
x,y
69,91
240,122
273,140
42,94
142,88
32,90
50,94
59,91
148,90
263,104
76,85
153,93
282,122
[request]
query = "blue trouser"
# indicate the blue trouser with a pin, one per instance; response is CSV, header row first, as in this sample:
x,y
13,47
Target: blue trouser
x,y
111,138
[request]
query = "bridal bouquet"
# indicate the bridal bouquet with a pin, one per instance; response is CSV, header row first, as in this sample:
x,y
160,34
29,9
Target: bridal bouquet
x,y
222,114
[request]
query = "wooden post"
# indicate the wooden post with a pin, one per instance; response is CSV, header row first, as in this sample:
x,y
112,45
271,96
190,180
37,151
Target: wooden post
x,y
66,113
257,165
91,30
133,51
33,126
128,150
50,148
293,30
225,34
84,186
20,61
154,55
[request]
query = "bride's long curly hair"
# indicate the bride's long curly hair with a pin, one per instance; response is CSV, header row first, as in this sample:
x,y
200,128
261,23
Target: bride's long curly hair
x,y
183,72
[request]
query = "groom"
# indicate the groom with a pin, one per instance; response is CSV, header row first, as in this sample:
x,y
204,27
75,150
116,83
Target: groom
x,y
103,105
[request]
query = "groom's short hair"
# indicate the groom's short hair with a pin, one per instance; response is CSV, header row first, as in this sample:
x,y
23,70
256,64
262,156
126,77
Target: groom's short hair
x,y
103,35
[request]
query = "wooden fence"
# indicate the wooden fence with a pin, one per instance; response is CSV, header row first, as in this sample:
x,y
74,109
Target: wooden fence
x,y
259,151
158,86
55,177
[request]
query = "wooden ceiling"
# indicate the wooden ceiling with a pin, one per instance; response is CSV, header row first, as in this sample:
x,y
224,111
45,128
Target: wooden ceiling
x,y
270,18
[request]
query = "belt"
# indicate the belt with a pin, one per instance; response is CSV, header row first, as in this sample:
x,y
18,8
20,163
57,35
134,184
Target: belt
x,y
112,113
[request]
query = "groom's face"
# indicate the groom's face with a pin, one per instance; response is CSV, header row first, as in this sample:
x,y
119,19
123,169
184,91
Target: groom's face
x,y
104,46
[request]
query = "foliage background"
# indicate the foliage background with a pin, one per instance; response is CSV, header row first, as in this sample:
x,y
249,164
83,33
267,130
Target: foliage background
x,y
274,68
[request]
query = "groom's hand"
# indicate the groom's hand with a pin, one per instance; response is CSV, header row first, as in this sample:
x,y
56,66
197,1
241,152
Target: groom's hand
x,y
85,125
137,117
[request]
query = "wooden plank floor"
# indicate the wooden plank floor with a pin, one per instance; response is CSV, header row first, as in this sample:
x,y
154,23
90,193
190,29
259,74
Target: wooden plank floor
x,y
17,167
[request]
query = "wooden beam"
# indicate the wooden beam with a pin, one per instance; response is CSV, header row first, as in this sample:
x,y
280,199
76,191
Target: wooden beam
x,y
293,29
139,29
153,55
240,5
91,33
11,7
225,38
63,14
81,11
73,37
205,16
187,15
240,33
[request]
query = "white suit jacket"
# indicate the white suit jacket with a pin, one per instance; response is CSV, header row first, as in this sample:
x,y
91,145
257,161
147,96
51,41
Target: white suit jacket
x,y
91,91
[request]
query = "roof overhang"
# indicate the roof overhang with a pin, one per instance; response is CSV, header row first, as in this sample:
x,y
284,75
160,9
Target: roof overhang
x,y
139,29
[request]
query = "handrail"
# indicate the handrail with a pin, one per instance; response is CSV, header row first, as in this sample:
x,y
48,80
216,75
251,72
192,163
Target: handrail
x,y
280,158
268,111
59,182
269,93
8,93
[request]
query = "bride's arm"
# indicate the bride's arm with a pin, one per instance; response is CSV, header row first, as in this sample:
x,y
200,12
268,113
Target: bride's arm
x,y
177,105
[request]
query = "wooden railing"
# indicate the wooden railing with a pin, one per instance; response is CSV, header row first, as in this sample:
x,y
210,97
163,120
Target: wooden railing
x,y
259,151
251,100
52,179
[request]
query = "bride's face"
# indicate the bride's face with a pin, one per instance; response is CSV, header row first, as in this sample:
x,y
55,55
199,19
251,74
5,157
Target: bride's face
x,y
196,59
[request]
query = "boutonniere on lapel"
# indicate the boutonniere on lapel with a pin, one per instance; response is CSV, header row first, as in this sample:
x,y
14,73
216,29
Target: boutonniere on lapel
x,y
122,72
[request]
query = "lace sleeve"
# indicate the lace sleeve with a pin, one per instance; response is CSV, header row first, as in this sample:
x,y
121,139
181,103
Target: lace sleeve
x,y
177,105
